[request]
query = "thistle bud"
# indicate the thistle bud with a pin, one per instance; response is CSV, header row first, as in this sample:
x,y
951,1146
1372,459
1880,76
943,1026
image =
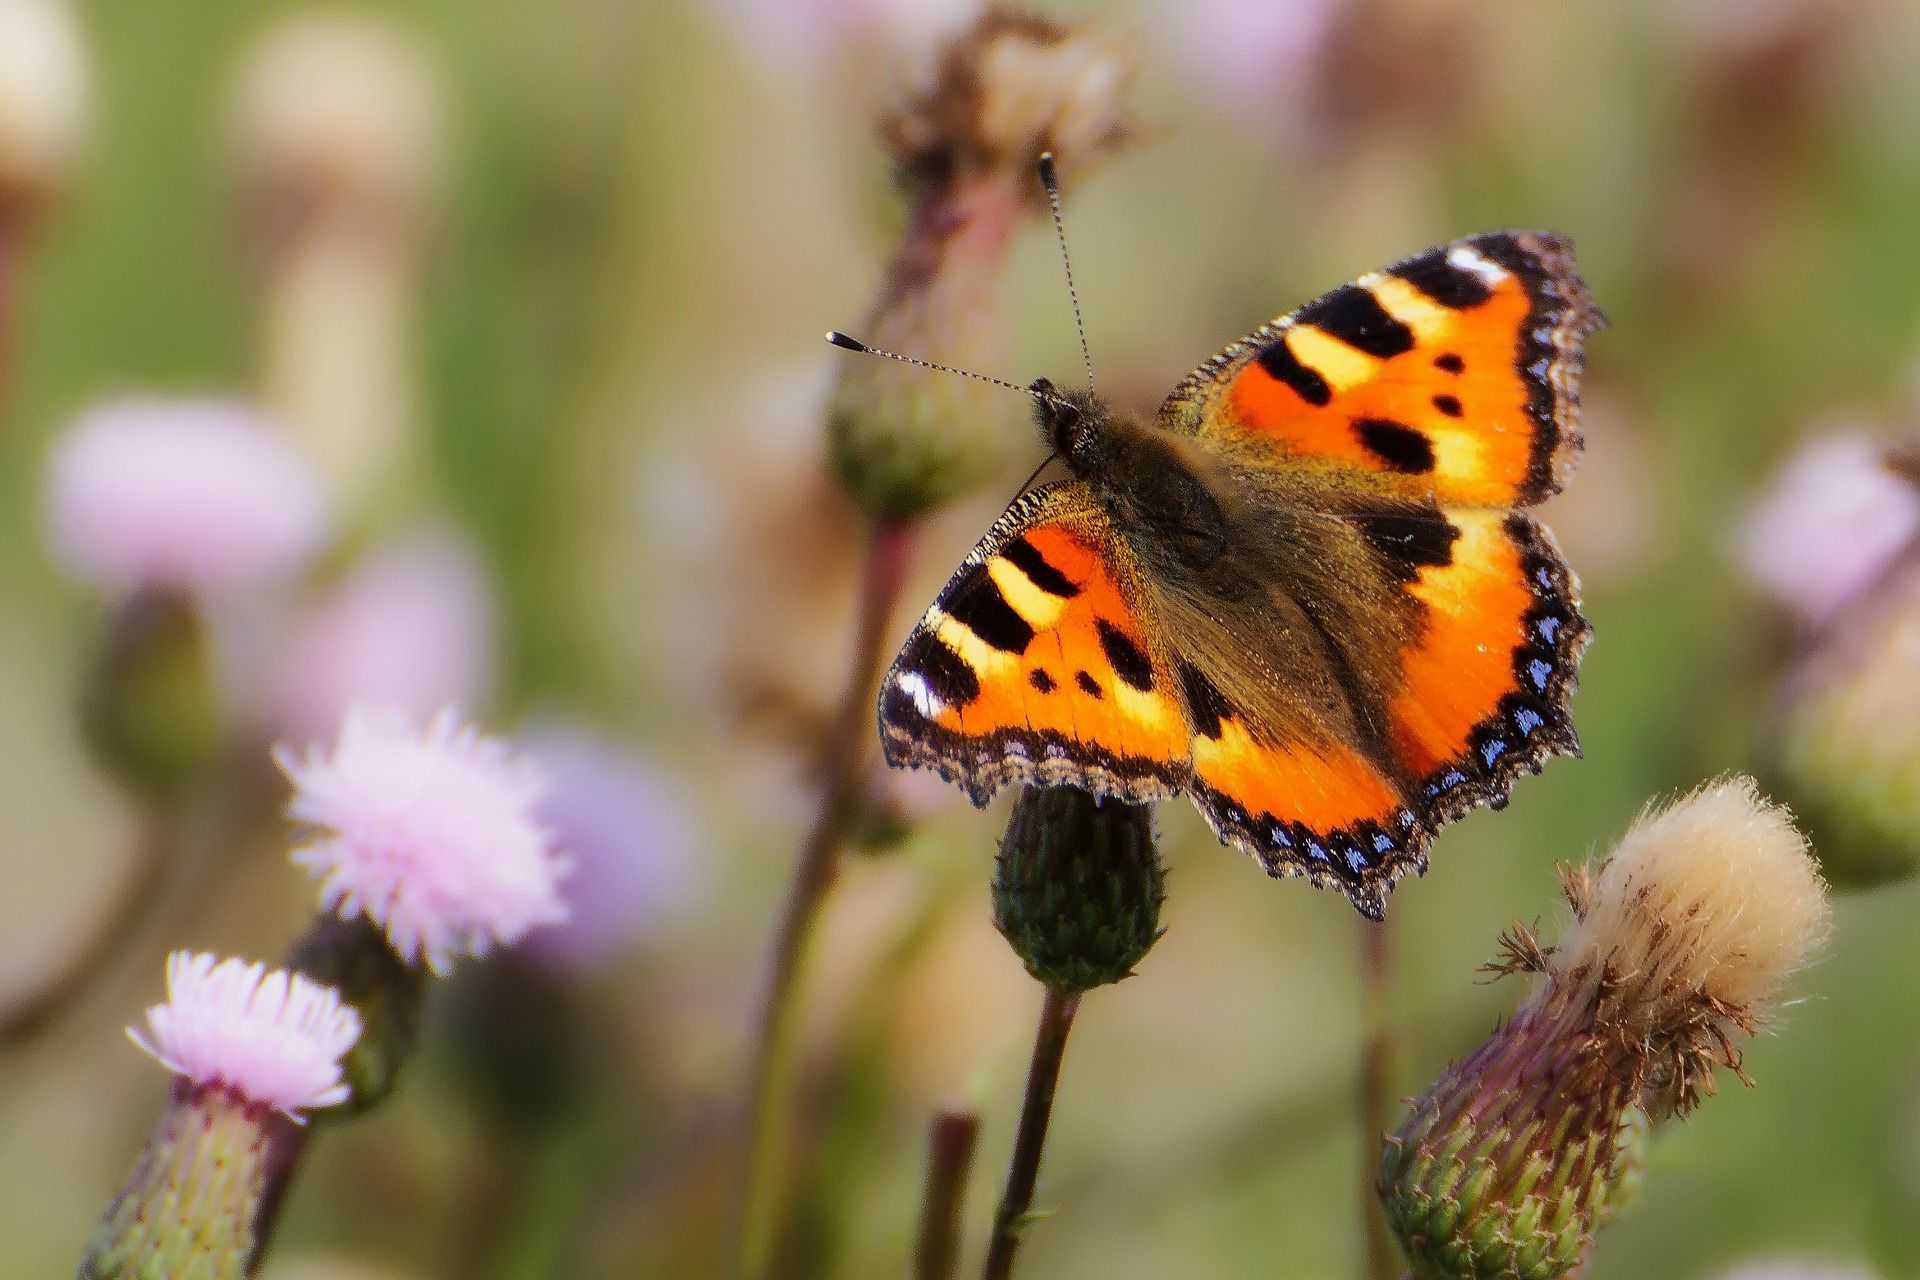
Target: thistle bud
x,y
964,149
1681,944
1846,744
1078,886
149,707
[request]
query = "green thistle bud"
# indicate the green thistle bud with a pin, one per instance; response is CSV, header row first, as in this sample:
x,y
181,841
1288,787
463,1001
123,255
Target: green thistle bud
x,y
192,1207
1847,749
149,707
1078,886
1507,1165
963,148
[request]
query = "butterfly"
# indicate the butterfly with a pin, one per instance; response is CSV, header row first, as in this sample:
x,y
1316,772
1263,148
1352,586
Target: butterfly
x,y
1307,593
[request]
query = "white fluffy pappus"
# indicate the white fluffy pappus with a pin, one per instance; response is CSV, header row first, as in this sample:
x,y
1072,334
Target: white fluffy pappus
x,y
1713,896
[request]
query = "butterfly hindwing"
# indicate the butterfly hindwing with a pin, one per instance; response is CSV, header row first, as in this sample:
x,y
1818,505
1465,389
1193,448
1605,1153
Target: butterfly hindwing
x,y
1037,665
1451,375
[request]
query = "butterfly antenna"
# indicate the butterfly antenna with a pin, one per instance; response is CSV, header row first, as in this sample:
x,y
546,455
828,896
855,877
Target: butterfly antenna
x,y
1050,179
846,343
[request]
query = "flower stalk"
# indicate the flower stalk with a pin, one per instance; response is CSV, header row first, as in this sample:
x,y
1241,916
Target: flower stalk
x,y
887,552
1057,1011
950,1147
1375,1081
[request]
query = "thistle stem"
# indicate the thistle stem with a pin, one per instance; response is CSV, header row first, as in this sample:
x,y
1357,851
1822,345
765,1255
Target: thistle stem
x,y
1375,1078
813,876
10,237
1023,1171
949,1159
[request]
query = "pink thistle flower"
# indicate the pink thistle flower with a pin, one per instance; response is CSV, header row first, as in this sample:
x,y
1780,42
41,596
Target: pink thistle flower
x,y
1832,520
275,1038
191,496
631,837
411,626
432,835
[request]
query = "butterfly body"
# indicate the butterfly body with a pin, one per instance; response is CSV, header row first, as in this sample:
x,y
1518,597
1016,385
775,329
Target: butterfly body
x,y
1304,592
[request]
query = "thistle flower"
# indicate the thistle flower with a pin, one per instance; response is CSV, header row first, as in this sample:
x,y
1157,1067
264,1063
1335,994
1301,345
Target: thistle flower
x,y
411,625
1681,945
963,149
432,835
1077,887
43,104
193,497
1833,519
1846,742
275,1039
250,1050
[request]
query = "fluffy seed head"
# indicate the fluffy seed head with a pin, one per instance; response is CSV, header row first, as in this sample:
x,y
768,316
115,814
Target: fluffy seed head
x,y
188,496
431,834
1009,87
43,102
275,1038
339,114
1687,934
1713,896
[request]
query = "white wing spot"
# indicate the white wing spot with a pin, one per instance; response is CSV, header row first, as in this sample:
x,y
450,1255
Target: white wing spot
x,y
925,700
1466,258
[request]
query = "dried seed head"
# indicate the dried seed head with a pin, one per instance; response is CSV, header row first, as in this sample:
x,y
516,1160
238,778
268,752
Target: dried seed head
x,y
1011,86
1712,901
964,149
44,102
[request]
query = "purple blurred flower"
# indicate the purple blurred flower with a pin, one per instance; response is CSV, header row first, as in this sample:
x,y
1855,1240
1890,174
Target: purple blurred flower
x,y
1253,55
433,835
1831,521
799,34
410,626
633,838
272,1037
191,496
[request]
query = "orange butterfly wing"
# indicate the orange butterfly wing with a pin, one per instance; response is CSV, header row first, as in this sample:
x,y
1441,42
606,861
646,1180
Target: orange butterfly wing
x,y
1037,665
1452,375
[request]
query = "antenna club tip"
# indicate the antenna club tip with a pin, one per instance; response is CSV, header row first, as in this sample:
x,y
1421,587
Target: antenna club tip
x,y
1048,175
840,339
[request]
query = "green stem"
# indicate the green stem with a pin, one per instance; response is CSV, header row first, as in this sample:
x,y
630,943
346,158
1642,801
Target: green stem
x,y
1023,1171
814,872
949,1158
1375,1079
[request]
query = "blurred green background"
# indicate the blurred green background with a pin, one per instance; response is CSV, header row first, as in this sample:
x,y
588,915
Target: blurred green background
x,y
649,214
